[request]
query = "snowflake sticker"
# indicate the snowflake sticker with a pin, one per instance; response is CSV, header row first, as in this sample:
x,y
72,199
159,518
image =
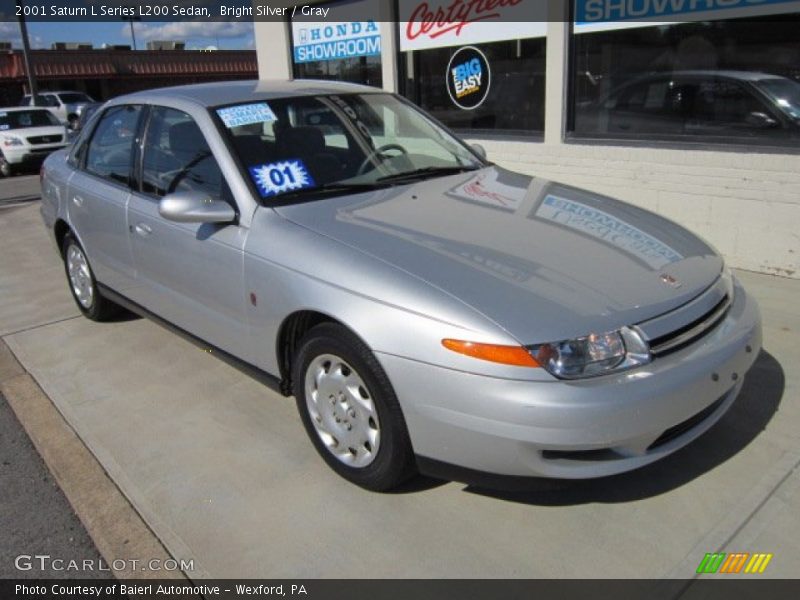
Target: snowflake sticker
x,y
280,177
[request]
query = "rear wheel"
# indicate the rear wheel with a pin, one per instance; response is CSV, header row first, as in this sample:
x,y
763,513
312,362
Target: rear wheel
x,y
349,409
83,285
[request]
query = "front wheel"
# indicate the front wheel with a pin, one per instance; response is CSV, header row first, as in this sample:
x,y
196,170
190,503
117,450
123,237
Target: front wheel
x,y
6,170
83,285
349,409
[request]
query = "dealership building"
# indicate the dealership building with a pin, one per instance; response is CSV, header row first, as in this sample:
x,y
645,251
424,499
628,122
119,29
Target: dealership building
x,y
687,108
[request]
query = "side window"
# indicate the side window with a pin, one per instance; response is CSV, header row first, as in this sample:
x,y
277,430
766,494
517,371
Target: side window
x,y
110,152
177,157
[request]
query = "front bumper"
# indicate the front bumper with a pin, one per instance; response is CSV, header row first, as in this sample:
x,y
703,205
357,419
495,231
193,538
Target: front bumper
x,y
578,429
30,155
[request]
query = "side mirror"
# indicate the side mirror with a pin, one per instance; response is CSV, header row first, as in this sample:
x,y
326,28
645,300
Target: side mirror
x,y
761,120
195,207
479,150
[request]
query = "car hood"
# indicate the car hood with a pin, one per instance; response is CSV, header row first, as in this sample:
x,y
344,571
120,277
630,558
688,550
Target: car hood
x,y
544,261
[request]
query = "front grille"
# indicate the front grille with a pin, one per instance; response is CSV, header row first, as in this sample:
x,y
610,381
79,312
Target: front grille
x,y
681,428
691,332
601,454
45,139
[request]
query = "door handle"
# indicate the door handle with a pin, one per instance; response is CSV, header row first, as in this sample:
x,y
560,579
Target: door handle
x,y
77,201
143,229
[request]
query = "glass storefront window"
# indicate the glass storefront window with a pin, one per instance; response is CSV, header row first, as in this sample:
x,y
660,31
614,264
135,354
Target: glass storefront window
x,y
725,81
514,101
338,49
363,69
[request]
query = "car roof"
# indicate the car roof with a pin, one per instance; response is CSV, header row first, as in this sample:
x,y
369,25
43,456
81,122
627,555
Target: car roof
x,y
21,108
730,74
231,92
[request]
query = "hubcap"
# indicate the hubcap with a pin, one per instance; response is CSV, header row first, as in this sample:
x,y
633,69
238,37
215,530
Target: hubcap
x,y
80,276
342,410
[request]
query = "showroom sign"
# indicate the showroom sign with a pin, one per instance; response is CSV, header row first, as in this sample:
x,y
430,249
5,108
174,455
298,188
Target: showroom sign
x,y
321,41
468,78
604,15
441,23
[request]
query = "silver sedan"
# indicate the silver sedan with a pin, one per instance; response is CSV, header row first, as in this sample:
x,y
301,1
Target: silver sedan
x,y
429,310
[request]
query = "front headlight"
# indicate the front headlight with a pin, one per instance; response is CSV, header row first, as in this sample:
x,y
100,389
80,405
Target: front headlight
x,y
593,355
11,140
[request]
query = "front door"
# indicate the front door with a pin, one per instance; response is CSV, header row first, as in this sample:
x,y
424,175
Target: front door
x,y
188,273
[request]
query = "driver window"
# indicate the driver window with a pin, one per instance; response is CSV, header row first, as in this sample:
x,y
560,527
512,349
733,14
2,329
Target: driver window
x,y
177,157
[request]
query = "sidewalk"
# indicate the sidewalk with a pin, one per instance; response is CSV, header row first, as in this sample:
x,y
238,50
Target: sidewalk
x,y
220,468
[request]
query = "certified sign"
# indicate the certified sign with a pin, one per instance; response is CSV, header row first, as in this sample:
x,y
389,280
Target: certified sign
x,y
468,78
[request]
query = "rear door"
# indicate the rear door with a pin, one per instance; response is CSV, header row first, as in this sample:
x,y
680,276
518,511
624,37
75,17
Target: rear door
x,y
188,273
98,193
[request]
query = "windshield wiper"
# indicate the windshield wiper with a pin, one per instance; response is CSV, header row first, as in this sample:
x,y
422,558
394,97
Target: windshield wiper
x,y
425,172
329,189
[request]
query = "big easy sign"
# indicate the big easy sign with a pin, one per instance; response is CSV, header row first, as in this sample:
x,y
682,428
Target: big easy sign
x,y
441,23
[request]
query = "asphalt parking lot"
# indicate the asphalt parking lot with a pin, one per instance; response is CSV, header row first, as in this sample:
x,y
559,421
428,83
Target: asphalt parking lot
x,y
36,519
220,469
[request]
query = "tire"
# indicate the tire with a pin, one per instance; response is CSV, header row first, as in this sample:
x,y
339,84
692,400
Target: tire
x,y
350,410
6,170
82,283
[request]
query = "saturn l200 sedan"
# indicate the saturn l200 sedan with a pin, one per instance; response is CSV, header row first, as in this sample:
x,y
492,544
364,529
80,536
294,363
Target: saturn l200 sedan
x,y
430,311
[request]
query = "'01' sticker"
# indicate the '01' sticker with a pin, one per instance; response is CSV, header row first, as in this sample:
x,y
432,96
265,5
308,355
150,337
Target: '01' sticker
x,y
281,177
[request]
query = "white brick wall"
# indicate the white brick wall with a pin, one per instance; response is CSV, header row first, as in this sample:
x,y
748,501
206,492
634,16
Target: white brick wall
x,y
746,205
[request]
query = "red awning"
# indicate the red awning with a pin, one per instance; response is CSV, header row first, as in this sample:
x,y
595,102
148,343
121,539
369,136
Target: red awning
x,y
95,64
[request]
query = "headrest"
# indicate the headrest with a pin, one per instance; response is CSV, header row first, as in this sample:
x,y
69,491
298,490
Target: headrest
x,y
301,140
186,138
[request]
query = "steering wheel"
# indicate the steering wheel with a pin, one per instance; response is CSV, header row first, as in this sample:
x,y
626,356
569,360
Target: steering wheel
x,y
378,153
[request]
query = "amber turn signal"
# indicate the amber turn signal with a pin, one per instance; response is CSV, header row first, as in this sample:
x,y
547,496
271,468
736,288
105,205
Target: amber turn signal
x,y
508,355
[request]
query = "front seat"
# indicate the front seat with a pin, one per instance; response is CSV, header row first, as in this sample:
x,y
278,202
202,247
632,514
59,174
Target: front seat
x,y
308,144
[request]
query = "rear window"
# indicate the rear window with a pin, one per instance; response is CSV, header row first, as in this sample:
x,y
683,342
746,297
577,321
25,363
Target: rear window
x,y
41,100
74,98
20,119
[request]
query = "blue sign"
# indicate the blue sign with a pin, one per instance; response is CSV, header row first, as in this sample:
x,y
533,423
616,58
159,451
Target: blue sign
x,y
603,11
331,41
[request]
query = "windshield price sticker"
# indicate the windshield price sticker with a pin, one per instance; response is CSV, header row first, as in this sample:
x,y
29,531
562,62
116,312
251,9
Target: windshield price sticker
x,y
247,114
280,177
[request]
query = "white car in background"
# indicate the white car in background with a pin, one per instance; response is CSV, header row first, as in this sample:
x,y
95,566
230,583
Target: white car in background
x,y
27,137
67,106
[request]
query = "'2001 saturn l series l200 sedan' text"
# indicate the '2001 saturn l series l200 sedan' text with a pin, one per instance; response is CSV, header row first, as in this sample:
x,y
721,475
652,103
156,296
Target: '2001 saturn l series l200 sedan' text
x,y
429,310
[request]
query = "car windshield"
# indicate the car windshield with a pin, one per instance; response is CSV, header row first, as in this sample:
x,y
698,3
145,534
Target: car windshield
x,y
785,93
41,100
19,119
74,98
307,146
